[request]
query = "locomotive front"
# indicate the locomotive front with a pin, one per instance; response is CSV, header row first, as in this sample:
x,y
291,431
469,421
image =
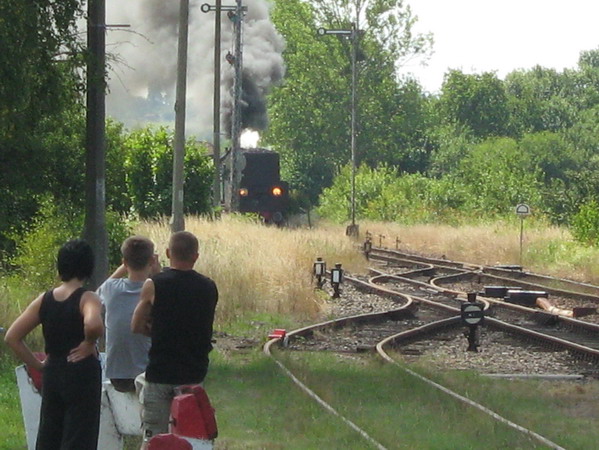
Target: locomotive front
x,y
261,189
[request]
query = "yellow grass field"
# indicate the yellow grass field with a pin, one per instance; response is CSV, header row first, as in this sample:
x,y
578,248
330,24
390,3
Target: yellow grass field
x,y
269,270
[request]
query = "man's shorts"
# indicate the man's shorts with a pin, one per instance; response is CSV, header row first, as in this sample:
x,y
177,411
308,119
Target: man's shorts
x,y
156,399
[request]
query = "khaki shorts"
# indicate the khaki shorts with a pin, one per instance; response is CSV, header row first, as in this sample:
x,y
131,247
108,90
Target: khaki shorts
x,y
156,399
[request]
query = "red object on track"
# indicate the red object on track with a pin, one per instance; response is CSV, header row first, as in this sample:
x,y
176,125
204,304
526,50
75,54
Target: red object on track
x,y
278,333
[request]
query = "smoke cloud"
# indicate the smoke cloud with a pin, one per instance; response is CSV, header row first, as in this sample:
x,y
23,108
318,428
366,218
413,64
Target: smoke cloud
x,y
143,61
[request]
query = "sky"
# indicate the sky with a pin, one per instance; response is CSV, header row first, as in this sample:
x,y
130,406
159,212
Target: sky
x,y
478,36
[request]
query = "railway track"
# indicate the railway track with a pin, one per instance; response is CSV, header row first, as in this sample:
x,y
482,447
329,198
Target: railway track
x,y
580,335
427,295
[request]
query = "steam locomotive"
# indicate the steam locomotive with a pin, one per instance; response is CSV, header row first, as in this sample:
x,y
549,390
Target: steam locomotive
x,y
261,189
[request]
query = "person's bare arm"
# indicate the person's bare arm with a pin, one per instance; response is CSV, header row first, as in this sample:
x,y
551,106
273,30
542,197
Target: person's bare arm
x,y
141,322
20,328
155,267
93,327
120,272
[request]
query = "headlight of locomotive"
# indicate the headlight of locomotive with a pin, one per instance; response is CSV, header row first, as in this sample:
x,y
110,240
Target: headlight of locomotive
x,y
277,191
243,192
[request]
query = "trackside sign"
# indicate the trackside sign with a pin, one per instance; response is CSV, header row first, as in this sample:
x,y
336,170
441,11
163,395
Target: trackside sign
x,y
523,209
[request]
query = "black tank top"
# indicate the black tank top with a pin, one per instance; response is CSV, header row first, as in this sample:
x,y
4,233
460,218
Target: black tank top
x,y
182,316
62,323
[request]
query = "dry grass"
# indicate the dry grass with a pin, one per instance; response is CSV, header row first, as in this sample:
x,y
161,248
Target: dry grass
x,y
262,269
267,270
546,249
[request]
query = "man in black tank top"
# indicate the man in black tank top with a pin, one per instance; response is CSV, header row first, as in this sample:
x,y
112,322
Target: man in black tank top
x,y
176,309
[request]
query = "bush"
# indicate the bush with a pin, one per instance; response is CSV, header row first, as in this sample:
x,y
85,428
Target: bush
x,y
585,224
384,195
149,172
36,251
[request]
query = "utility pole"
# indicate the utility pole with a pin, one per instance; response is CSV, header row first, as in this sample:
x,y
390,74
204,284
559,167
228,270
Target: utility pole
x,y
354,81
218,8
216,118
236,118
353,34
177,218
235,13
95,141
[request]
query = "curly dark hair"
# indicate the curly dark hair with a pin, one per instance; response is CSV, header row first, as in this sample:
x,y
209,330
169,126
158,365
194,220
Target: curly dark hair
x,y
75,260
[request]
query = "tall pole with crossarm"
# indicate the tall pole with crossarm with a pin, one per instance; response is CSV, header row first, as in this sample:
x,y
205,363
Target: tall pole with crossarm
x,y
353,34
235,13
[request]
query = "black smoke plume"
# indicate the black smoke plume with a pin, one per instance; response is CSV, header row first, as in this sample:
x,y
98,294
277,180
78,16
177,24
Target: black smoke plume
x,y
144,58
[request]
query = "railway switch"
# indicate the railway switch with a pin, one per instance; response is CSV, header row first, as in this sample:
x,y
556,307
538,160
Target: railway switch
x,y
498,291
524,298
319,271
473,316
336,280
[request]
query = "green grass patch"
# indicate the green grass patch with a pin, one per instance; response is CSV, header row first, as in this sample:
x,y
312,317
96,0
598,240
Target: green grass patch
x,y
258,407
397,409
553,409
13,431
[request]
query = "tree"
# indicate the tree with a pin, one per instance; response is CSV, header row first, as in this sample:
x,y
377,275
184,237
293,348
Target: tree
x,y
540,100
478,102
39,54
310,111
497,176
148,163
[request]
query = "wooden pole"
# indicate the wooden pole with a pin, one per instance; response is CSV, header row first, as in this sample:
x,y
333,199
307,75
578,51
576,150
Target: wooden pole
x,y
177,219
95,141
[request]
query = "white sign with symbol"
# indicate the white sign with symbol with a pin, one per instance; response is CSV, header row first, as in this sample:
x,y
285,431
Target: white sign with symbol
x,y
523,209
472,314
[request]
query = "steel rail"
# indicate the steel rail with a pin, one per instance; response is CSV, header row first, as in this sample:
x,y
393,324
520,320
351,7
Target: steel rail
x,y
591,292
566,344
427,329
564,320
527,284
427,260
317,398
569,321
544,279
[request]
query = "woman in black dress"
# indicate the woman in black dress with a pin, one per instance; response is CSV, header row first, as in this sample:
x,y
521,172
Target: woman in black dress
x,y
72,377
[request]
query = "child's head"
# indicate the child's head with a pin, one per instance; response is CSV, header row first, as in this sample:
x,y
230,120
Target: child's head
x,y
183,246
75,260
137,252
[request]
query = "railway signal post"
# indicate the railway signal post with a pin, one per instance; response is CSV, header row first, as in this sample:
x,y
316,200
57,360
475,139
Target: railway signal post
x,y
367,246
236,14
472,316
354,35
319,271
336,280
522,210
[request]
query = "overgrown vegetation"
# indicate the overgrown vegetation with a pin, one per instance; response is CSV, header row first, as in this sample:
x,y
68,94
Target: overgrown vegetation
x,y
34,260
264,278
474,150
